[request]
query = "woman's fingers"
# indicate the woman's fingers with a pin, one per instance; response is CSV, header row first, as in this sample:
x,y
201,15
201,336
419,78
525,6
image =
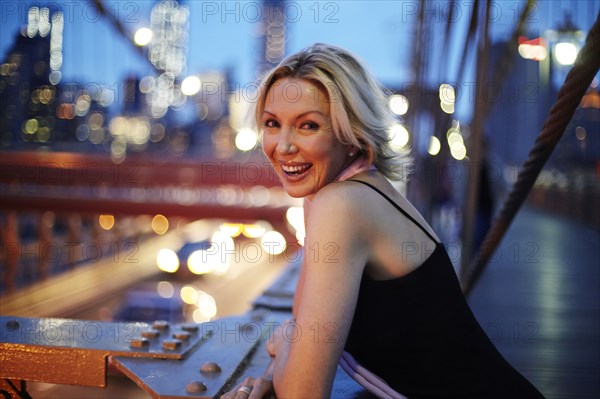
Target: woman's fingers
x,y
263,388
251,388
240,391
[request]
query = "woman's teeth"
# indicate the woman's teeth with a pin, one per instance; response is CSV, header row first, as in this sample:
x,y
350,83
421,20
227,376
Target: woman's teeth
x,y
295,169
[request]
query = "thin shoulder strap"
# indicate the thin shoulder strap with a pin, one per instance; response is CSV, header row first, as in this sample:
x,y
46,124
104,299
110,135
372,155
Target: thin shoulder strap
x,y
398,207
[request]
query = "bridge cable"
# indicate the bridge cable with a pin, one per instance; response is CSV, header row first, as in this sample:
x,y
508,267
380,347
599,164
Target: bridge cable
x,y
572,91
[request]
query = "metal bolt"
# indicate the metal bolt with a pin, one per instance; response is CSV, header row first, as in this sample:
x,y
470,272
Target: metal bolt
x,y
150,334
195,386
160,325
190,328
12,324
210,367
138,342
182,335
171,344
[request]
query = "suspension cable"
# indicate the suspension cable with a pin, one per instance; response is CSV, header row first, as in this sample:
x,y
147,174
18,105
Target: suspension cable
x,y
576,83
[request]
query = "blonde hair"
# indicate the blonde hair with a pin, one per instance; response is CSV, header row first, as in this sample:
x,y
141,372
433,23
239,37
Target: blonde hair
x,y
358,103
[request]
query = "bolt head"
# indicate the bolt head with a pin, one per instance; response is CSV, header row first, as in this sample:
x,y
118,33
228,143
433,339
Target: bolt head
x,y
160,325
190,328
210,367
195,386
171,344
150,334
181,335
138,342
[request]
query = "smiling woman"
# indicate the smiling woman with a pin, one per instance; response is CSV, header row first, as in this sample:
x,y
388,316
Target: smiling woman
x,y
384,302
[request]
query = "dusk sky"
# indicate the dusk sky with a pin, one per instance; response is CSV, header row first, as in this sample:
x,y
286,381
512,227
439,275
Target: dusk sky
x,y
221,34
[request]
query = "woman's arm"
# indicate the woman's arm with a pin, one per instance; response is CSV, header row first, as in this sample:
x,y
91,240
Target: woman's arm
x,y
336,250
302,274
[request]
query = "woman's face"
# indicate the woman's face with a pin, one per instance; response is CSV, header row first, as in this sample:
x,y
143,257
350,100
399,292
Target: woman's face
x,y
298,138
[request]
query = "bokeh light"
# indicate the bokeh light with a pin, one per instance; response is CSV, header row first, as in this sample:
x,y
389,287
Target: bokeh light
x,y
434,146
189,295
143,36
398,104
160,224
167,260
190,85
399,137
565,53
273,242
246,139
199,262
165,289
106,221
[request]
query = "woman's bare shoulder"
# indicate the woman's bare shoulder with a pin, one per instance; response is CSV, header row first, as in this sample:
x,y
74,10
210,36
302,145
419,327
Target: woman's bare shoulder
x,y
340,198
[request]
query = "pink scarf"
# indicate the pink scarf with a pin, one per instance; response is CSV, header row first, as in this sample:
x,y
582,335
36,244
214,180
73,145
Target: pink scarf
x,y
367,379
359,165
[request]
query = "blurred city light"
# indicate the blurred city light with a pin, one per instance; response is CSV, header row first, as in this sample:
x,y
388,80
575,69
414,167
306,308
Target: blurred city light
x,y
254,230
534,49
458,153
447,94
191,85
167,260
165,289
246,139
160,224
231,229
273,242
458,150
218,256
199,262
106,221
189,295
207,307
447,97
447,108
398,104
565,53
399,137
142,36
168,50
434,146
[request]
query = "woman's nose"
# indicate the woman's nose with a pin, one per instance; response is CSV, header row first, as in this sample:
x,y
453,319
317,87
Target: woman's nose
x,y
286,143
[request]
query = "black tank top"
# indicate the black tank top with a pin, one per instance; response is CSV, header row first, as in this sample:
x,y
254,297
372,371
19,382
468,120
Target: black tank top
x,y
418,333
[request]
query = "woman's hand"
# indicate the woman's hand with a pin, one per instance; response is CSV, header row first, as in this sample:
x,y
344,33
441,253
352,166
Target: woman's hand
x,y
252,388
262,387
280,337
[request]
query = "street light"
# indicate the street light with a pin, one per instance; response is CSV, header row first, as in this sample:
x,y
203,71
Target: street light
x,y
565,53
563,44
567,42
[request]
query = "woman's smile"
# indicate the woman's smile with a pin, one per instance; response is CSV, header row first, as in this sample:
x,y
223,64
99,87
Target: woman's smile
x,y
295,171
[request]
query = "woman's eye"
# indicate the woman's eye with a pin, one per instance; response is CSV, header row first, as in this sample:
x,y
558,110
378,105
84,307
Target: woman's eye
x,y
309,126
270,123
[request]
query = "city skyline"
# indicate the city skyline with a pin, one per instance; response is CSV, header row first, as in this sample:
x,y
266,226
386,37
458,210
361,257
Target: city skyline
x,y
384,45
